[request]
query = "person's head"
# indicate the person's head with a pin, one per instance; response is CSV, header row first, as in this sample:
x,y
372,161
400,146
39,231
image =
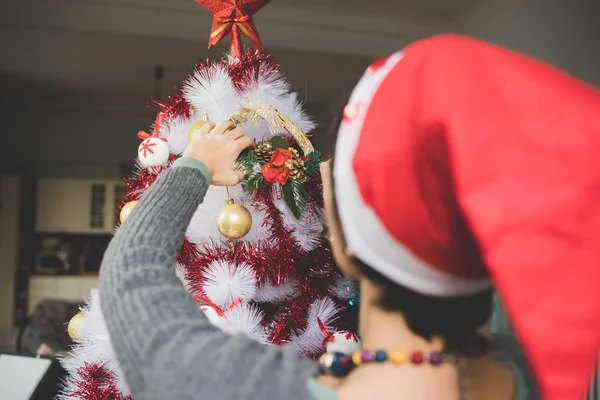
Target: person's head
x,y
445,178
455,320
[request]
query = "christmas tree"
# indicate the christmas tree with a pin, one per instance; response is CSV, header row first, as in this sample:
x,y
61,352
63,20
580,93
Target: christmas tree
x,y
255,255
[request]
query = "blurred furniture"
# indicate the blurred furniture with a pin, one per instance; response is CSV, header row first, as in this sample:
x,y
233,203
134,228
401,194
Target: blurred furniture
x,y
71,288
47,325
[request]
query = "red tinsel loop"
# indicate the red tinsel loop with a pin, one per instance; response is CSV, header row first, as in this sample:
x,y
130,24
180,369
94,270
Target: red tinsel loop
x,y
251,67
219,310
235,303
174,106
209,302
188,253
328,335
160,118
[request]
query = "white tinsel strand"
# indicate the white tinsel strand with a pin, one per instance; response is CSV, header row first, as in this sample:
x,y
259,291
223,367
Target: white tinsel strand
x,y
202,227
177,133
308,230
94,345
273,89
345,287
211,91
310,342
268,293
246,319
225,283
268,87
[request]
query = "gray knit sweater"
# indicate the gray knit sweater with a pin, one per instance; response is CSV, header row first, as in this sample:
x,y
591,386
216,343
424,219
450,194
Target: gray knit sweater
x,y
167,348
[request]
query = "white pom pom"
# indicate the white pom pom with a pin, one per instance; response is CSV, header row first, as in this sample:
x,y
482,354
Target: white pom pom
x,y
344,342
345,287
212,91
153,152
246,319
310,342
268,293
225,283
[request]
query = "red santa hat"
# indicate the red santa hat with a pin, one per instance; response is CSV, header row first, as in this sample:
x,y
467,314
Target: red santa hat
x,y
458,163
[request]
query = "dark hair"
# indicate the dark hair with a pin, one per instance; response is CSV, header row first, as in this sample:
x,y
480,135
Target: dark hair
x,y
455,319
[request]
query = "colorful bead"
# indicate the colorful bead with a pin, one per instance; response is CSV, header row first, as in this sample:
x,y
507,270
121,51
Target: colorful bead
x,y
347,362
357,358
354,301
398,357
381,356
366,356
336,366
417,357
436,358
326,360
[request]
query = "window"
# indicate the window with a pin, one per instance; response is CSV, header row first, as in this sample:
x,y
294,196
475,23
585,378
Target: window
x,y
97,210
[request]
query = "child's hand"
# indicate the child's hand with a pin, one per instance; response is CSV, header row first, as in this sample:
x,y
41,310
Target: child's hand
x,y
218,147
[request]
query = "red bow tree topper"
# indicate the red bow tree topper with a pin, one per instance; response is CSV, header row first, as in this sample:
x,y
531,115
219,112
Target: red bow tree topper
x,y
234,17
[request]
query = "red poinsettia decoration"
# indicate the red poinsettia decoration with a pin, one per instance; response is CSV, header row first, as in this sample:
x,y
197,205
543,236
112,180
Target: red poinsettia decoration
x,y
234,17
275,170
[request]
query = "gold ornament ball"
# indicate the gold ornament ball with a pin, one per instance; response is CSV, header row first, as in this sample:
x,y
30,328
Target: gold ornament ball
x,y
195,129
234,221
126,210
75,325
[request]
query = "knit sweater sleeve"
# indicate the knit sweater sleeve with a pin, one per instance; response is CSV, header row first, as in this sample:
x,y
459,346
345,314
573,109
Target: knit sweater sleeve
x,y
165,346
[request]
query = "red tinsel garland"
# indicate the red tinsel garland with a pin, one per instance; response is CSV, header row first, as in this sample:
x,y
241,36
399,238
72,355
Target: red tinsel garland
x,y
174,106
95,382
249,67
243,71
188,253
276,261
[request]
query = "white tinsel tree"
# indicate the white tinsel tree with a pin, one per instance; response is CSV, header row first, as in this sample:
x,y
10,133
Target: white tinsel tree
x,y
277,283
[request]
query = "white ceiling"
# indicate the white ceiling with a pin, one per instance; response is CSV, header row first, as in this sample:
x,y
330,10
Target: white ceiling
x,y
104,51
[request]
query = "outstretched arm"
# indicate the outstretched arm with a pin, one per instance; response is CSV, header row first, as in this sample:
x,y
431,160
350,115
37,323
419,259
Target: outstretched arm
x,y
165,345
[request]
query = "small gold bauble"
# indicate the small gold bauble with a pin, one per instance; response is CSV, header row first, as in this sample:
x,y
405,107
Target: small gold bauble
x,y
126,210
234,221
75,325
196,127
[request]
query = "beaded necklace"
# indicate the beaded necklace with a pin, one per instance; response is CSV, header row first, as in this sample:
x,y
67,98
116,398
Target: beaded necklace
x,y
340,365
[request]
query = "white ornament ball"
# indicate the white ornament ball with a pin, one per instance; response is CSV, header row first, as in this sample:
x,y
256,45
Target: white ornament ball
x,y
212,315
344,342
153,152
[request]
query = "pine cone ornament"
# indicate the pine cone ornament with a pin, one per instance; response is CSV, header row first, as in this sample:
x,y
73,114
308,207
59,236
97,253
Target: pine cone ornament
x,y
264,152
296,166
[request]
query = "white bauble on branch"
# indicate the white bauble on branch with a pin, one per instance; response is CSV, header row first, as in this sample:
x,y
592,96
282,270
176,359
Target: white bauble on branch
x,y
344,342
153,152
